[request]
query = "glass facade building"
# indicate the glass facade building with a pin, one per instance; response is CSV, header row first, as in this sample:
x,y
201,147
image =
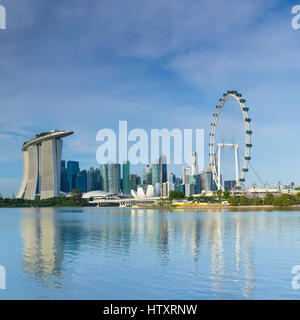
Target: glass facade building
x,y
81,182
73,170
114,178
147,176
126,178
63,177
229,184
155,173
93,179
162,170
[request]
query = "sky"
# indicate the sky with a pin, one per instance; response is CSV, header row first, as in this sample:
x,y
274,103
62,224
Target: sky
x,y
85,65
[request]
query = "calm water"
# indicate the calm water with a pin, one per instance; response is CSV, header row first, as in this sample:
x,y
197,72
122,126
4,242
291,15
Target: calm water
x,y
99,253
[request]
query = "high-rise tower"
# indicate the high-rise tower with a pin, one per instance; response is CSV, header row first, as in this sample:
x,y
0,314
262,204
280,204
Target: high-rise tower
x,y
162,170
126,177
42,166
194,164
155,173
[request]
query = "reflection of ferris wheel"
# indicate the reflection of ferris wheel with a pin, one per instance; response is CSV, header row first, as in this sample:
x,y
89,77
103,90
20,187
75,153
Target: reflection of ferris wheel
x,y
230,130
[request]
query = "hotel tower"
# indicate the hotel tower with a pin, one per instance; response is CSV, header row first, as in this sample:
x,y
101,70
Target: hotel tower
x,y
41,166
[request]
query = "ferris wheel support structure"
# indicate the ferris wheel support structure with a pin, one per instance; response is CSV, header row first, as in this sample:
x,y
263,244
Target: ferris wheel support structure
x,y
236,156
215,153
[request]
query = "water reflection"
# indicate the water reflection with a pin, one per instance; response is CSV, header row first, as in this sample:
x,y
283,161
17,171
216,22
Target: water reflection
x,y
53,238
41,255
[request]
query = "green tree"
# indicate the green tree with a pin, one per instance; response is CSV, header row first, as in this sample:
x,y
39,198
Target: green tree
x,y
257,201
284,200
297,196
226,194
269,198
233,201
219,194
244,201
176,195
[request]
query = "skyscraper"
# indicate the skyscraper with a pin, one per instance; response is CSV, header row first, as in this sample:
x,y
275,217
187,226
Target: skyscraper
x,y
147,175
134,181
93,179
229,184
126,178
186,173
104,177
171,181
114,177
207,181
196,181
162,170
42,166
155,173
73,170
63,177
194,164
81,181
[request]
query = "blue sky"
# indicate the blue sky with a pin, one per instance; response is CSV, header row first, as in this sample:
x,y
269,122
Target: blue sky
x,y
85,65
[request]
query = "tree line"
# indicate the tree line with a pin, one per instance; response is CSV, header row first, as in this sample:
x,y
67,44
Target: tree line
x,y
219,196
75,200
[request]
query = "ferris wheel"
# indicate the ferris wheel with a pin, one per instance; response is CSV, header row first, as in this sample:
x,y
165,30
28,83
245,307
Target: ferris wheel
x,y
230,131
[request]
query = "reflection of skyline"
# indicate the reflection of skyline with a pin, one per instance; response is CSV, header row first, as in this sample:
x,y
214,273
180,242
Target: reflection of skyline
x,y
53,238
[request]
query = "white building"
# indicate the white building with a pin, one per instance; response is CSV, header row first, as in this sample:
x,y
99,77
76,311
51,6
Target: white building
x,y
41,166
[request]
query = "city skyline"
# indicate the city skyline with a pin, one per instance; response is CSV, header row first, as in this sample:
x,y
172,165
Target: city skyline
x,y
157,180
153,79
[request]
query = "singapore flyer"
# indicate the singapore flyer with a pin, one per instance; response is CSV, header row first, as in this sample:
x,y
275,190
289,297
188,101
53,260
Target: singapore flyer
x,y
230,141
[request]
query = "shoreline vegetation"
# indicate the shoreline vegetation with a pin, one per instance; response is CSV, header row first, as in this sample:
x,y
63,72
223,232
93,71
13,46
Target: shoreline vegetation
x,y
176,200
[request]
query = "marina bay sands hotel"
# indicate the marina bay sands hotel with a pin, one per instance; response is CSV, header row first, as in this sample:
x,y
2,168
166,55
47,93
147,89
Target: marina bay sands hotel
x,y
41,166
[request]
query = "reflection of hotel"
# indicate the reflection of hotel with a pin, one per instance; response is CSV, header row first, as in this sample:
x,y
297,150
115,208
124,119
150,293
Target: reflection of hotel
x,y
41,166
41,253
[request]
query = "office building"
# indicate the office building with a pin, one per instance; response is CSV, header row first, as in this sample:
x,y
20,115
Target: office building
x,y
196,181
180,187
155,173
126,178
134,182
194,164
114,178
186,173
171,182
147,175
63,177
104,177
81,181
93,179
189,189
165,189
73,170
207,181
162,169
229,184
